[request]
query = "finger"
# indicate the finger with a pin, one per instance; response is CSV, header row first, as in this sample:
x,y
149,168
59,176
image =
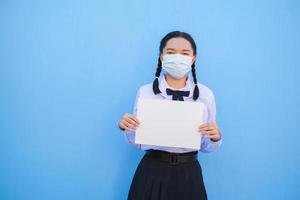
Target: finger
x,y
208,125
129,125
203,125
209,136
132,122
212,132
205,129
203,132
122,126
214,137
209,132
132,117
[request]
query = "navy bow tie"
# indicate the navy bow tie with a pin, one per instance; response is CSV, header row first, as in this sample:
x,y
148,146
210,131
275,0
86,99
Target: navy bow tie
x,y
177,94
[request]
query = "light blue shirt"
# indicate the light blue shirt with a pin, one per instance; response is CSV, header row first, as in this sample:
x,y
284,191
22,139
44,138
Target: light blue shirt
x,y
206,96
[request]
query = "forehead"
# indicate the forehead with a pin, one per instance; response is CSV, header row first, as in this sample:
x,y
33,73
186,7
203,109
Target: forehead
x,y
178,43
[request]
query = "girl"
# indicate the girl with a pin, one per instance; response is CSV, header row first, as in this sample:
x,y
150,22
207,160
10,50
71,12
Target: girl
x,y
169,173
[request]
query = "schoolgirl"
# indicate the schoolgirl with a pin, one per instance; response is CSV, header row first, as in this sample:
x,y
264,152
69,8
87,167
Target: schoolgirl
x,y
169,173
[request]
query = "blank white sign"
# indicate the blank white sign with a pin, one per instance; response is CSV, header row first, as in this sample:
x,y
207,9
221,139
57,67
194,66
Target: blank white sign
x,y
169,123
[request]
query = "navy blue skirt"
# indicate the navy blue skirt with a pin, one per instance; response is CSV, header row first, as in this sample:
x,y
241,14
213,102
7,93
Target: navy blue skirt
x,y
158,180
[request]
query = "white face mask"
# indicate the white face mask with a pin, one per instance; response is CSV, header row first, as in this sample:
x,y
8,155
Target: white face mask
x,y
177,65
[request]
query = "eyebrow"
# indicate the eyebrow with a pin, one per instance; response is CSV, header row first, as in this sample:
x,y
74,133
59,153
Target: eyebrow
x,y
170,49
174,49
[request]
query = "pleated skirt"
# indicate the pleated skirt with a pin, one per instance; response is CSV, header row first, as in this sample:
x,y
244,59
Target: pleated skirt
x,y
158,180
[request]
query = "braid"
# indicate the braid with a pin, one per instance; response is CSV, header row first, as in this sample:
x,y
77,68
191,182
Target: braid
x,y
155,85
196,89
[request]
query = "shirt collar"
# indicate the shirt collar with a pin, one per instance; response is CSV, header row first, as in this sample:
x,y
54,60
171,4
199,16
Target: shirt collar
x,y
163,85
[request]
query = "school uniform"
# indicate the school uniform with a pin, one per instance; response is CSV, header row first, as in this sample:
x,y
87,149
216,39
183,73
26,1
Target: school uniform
x,y
169,172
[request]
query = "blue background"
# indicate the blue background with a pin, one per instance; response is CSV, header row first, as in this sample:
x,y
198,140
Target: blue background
x,y
71,69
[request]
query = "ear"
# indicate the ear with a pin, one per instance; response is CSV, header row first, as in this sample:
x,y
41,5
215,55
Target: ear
x,y
161,58
194,59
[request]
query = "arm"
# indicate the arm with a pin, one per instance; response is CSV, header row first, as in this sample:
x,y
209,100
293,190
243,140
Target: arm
x,y
208,144
129,132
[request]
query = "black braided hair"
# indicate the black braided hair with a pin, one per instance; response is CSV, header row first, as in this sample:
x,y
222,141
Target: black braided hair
x,y
155,86
163,43
196,88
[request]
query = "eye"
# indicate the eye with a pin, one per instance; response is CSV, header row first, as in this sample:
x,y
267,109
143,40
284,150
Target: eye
x,y
169,52
186,54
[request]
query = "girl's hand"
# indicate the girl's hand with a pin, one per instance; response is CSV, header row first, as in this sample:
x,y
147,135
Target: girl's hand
x,y
128,122
211,130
